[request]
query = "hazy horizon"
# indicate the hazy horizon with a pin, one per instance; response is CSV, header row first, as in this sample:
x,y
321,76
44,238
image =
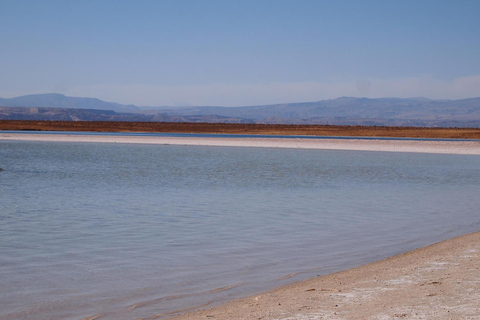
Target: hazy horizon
x,y
239,53
186,106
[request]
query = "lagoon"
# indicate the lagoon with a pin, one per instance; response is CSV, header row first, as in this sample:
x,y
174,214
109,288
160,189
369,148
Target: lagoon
x,y
124,231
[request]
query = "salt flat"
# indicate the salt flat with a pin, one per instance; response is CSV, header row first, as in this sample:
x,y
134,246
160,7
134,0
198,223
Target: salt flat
x,y
421,146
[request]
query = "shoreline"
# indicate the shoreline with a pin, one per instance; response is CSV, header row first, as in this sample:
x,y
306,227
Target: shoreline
x,y
441,147
440,281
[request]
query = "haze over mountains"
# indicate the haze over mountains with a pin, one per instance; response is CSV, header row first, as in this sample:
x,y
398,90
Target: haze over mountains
x,y
340,111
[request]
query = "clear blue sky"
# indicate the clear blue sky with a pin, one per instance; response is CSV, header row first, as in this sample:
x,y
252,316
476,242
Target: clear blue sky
x,y
232,53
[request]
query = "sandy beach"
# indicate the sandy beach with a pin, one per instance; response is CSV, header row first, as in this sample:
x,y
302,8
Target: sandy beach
x,y
447,147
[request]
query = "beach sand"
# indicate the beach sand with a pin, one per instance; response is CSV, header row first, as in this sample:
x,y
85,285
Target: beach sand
x,y
452,147
441,281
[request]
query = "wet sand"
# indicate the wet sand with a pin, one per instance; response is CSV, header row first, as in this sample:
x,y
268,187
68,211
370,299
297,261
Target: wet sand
x,y
449,147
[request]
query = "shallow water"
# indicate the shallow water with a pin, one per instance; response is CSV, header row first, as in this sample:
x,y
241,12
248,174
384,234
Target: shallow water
x,y
131,231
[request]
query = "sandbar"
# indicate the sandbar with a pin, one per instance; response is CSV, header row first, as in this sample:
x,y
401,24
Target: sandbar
x,y
417,146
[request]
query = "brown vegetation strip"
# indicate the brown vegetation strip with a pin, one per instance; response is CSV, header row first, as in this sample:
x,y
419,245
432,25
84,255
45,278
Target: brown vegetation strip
x,y
270,129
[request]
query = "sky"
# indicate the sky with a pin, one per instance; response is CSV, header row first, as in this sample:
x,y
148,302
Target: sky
x,y
239,52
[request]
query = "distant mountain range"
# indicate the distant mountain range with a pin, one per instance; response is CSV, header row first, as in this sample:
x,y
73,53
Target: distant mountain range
x,y
340,111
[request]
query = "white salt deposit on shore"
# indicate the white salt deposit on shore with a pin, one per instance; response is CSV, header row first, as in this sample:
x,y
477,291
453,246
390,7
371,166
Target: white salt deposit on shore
x,y
420,146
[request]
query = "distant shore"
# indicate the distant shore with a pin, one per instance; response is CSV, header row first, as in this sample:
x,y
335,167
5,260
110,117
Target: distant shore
x,y
440,281
447,147
228,128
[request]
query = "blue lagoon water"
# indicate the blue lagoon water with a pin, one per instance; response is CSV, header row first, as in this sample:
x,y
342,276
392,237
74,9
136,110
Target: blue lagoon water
x,y
123,231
